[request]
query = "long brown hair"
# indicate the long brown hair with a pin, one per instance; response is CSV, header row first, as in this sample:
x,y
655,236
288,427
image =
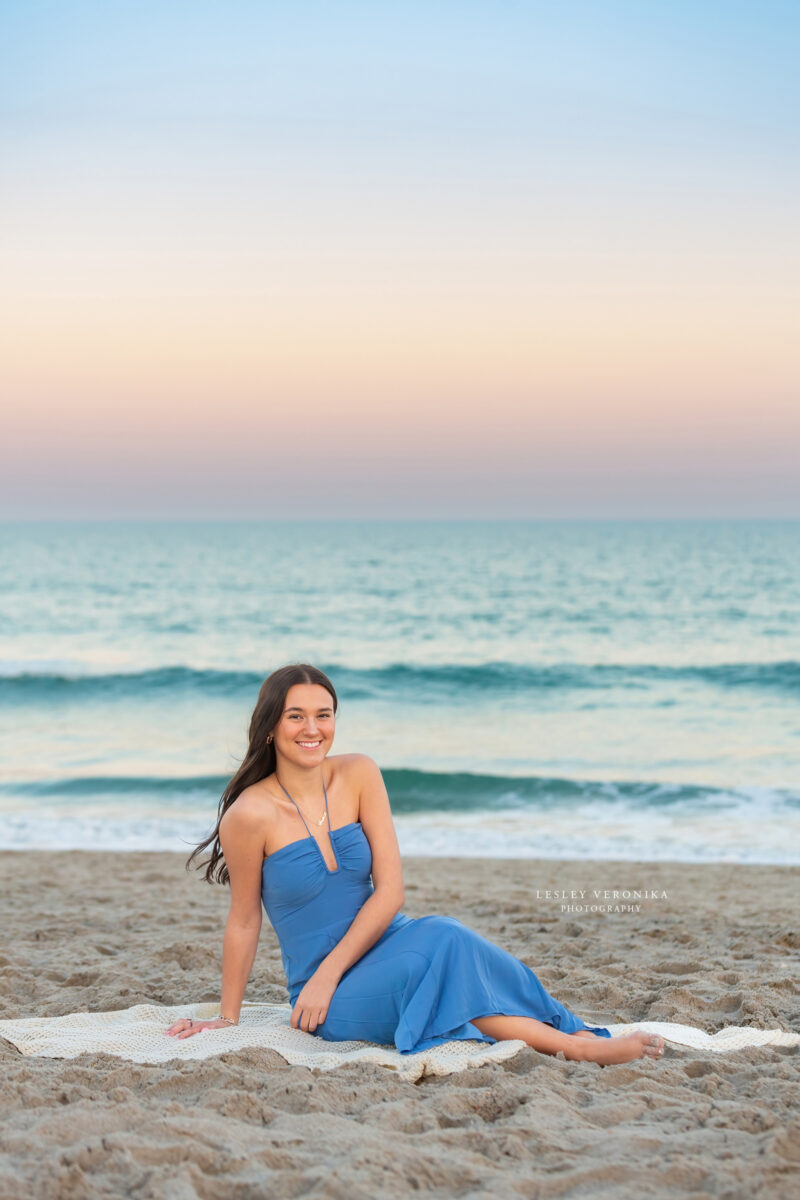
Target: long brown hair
x,y
260,759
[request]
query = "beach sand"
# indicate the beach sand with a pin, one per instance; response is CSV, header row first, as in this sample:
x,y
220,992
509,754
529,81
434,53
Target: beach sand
x,y
95,931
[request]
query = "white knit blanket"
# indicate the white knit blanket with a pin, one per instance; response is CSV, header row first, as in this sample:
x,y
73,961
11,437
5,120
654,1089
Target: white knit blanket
x,y
138,1034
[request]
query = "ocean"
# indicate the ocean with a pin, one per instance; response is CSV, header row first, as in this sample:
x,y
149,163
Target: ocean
x,y
550,689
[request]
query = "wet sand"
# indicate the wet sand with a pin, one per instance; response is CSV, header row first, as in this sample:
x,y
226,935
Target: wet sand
x,y
85,931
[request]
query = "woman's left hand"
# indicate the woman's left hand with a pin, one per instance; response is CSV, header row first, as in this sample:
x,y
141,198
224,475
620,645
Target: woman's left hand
x,y
311,1007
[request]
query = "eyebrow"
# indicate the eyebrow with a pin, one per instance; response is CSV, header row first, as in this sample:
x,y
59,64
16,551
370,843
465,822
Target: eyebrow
x,y
296,708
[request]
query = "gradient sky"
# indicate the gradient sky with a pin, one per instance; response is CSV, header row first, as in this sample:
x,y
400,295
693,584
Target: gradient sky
x,y
399,259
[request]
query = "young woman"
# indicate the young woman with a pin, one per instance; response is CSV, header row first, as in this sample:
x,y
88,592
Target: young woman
x,y
311,835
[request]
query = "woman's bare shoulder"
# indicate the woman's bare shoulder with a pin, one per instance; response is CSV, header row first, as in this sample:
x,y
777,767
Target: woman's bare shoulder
x,y
252,809
350,763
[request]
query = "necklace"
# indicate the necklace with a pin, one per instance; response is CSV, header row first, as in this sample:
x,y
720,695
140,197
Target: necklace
x,y
294,802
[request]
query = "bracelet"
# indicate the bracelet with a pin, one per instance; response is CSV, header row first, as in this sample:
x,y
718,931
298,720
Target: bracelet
x,y
229,1020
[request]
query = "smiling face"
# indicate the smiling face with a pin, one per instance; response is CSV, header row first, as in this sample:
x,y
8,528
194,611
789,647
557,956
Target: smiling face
x,y
304,734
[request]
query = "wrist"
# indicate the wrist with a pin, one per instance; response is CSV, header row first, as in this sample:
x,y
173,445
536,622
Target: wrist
x,y
329,972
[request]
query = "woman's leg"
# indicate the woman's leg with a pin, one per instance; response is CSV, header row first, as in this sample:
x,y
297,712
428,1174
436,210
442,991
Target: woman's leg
x,y
572,1045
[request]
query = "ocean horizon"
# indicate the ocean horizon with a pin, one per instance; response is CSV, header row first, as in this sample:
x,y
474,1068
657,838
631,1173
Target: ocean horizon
x,y
557,688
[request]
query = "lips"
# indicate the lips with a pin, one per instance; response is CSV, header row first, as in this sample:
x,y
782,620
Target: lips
x,y
310,745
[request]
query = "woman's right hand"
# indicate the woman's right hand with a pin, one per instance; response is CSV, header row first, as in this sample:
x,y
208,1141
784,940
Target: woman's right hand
x,y
186,1026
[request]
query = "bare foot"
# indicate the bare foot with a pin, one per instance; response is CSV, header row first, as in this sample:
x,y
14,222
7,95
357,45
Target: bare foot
x,y
607,1051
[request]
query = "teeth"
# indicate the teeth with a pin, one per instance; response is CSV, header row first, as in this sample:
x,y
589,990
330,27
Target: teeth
x,y
309,745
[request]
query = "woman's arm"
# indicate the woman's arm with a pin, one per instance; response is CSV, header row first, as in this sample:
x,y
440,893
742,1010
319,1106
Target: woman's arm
x,y
377,912
371,921
241,835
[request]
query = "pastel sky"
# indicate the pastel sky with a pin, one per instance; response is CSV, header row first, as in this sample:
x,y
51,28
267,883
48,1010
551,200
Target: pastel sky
x,y
447,259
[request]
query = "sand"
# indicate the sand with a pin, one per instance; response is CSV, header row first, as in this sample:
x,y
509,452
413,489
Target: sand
x,y
93,931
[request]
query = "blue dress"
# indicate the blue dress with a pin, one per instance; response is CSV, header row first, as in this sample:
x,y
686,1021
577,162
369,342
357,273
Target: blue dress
x,y
420,984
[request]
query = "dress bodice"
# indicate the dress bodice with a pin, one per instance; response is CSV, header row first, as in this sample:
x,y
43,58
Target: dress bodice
x,y
311,907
